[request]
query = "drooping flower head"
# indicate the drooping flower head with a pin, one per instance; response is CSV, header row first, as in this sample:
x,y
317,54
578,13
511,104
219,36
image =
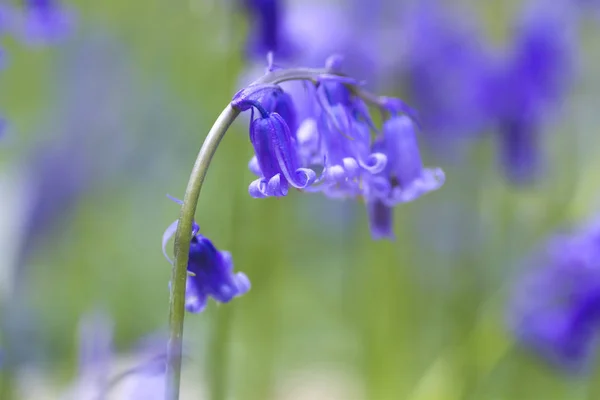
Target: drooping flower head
x,y
210,272
337,137
556,309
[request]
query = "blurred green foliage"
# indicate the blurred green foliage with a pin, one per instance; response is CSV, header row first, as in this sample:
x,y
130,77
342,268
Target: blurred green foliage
x,y
419,318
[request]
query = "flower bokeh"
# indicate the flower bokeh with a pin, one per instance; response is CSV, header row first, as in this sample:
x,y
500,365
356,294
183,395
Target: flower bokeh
x,y
390,211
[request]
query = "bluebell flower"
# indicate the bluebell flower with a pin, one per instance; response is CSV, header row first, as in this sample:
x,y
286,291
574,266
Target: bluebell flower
x,y
276,159
267,33
210,272
336,136
447,71
404,178
46,21
282,103
346,147
531,85
339,136
556,309
408,179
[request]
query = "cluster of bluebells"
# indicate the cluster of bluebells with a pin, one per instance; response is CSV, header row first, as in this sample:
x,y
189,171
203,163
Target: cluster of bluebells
x,y
335,149
37,22
462,86
556,309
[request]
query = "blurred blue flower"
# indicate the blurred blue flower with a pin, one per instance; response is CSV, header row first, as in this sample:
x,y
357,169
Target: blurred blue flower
x,y
46,21
210,272
42,21
97,360
95,356
556,309
306,33
381,220
532,84
267,33
447,72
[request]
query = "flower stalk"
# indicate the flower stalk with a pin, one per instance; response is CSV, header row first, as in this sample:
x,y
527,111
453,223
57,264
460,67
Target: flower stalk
x,y
188,211
286,172
182,246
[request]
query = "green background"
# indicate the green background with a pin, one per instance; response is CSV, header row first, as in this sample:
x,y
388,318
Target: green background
x,y
424,317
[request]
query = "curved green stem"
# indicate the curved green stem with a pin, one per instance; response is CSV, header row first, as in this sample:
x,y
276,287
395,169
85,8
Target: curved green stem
x,y
182,246
188,210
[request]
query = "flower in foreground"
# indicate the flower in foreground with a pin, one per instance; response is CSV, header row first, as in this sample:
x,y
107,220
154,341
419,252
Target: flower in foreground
x,y
556,310
210,272
404,178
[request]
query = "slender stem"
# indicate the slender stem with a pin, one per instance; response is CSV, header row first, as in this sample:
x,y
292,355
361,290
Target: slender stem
x,y
182,245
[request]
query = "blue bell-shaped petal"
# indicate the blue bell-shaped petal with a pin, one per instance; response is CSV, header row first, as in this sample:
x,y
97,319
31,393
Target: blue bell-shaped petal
x,y
210,272
347,151
277,158
281,103
211,275
408,177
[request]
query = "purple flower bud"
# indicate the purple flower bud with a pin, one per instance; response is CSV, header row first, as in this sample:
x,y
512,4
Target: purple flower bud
x,y
277,158
210,272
